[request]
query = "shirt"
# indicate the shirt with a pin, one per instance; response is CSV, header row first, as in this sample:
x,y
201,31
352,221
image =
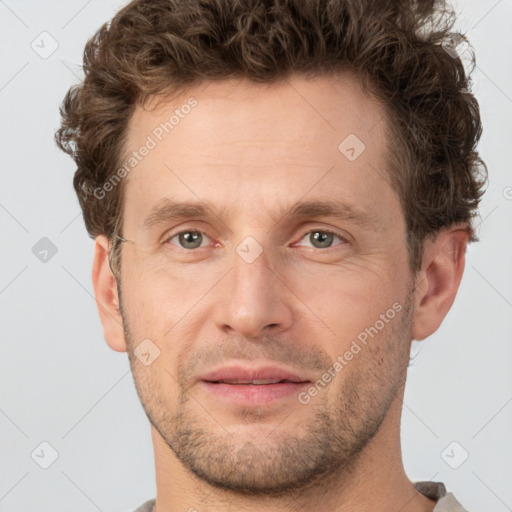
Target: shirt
x,y
446,502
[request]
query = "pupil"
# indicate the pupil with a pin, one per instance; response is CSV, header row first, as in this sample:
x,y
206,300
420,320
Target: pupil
x,y
321,239
191,239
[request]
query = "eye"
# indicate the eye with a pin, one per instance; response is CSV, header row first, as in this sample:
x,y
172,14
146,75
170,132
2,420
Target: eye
x,y
190,239
322,239
194,239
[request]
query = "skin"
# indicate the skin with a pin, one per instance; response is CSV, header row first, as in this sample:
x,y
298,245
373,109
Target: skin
x,y
251,152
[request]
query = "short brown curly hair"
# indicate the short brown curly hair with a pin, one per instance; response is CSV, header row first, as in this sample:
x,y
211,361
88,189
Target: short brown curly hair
x,y
400,51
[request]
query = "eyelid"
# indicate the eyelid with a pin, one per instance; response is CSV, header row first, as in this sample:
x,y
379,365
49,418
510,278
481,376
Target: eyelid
x,y
185,227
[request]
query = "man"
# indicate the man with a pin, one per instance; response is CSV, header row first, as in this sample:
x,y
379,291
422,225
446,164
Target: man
x,y
281,194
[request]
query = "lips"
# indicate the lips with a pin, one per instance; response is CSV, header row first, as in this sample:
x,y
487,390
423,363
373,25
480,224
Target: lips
x,y
260,376
250,387
256,382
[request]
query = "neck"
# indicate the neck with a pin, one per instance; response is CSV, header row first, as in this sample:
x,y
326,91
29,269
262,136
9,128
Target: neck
x,y
376,480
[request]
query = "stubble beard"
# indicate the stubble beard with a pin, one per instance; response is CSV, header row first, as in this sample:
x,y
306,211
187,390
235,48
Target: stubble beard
x,y
344,421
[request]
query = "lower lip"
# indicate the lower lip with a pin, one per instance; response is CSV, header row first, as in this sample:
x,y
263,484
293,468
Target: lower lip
x,y
254,394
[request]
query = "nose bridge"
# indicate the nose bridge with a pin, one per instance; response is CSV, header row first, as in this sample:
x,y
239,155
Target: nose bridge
x,y
251,272
254,299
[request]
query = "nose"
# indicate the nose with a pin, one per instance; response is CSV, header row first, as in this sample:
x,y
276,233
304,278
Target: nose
x,y
254,300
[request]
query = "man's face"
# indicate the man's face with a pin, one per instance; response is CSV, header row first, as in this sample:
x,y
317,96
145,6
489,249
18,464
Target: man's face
x,y
253,301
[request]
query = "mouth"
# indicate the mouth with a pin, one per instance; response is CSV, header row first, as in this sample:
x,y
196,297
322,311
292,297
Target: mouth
x,y
252,386
256,382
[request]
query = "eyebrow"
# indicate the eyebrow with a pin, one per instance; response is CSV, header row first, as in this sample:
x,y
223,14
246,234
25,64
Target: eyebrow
x,y
168,210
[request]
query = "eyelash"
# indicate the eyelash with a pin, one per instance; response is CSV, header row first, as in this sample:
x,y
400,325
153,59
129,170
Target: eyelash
x,y
324,231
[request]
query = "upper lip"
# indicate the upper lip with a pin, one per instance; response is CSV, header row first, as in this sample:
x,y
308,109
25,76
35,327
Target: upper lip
x,y
241,374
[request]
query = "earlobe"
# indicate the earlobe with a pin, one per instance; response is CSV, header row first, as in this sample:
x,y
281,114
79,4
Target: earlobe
x,y
107,298
439,279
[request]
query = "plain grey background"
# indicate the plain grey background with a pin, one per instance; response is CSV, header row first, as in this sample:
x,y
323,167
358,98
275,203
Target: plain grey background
x,y
60,384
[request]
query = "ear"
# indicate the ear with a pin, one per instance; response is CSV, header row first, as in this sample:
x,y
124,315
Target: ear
x,y
439,279
107,298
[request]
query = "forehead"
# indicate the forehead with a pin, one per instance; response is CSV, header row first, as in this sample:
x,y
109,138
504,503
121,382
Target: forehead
x,y
329,106
235,138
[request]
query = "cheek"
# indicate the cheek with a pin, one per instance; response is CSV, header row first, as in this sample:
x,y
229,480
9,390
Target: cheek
x,y
374,359
160,300
337,300
348,299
